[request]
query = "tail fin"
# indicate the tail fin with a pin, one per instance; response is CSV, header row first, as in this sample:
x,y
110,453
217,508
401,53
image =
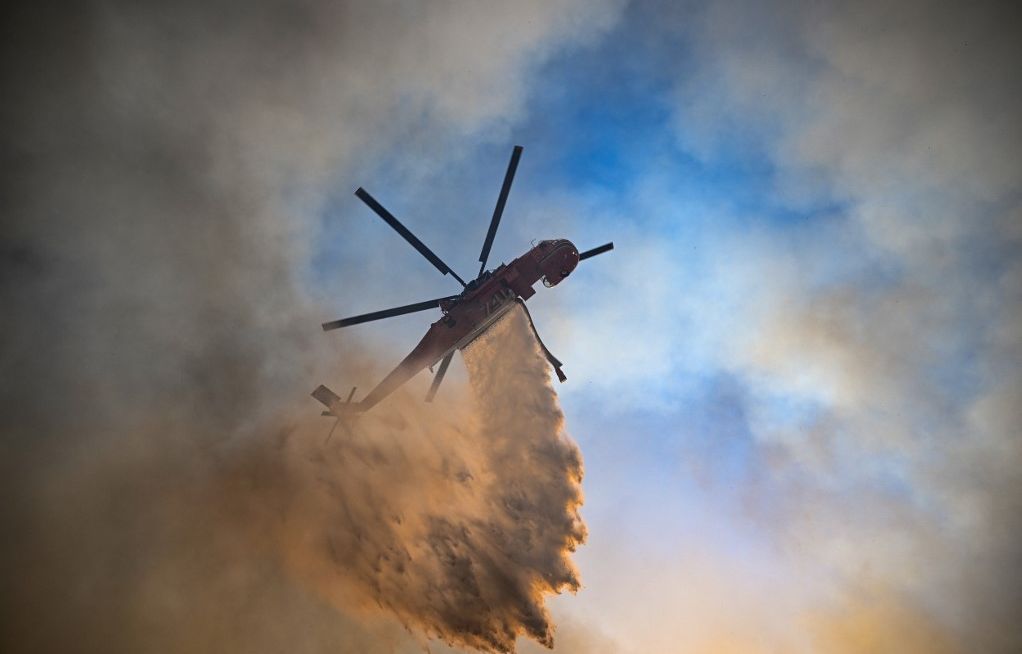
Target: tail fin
x,y
336,406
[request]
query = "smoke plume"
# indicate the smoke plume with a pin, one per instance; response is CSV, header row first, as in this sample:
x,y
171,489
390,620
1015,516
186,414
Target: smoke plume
x,y
165,169
456,518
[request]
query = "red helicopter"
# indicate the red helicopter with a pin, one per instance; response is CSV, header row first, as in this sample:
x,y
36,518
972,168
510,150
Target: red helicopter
x,y
466,315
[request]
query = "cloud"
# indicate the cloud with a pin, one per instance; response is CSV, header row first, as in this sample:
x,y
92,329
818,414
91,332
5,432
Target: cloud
x,y
866,310
899,116
872,621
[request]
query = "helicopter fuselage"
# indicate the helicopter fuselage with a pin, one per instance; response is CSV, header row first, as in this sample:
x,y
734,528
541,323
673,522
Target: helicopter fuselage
x,y
482,303
468,314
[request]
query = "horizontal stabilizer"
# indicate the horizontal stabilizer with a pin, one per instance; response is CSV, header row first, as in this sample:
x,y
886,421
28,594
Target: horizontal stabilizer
x,y
326,396
332,401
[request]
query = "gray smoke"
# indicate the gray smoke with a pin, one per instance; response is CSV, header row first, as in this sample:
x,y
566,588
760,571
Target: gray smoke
x,y
163,167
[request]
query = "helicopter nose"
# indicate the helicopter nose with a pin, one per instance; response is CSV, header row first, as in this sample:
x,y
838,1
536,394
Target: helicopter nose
x,y
570,258
559,263
569,262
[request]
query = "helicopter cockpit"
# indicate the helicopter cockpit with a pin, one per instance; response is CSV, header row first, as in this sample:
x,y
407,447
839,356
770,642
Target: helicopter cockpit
x,y
560,259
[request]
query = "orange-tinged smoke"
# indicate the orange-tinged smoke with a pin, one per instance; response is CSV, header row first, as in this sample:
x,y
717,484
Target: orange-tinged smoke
x,y
878,621
458,518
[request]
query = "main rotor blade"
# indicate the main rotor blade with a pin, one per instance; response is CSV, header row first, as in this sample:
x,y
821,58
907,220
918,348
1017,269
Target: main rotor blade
x,y
509,177
405,233
439,377
386,313
606,247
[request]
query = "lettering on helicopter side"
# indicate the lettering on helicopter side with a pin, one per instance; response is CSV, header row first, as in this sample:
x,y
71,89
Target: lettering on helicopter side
x,y
497,300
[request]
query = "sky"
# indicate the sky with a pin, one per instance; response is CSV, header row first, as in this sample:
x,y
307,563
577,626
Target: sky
x,y
794,385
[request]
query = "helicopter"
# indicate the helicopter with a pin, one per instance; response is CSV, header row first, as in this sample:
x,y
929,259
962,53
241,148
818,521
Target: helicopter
x,y
468,314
